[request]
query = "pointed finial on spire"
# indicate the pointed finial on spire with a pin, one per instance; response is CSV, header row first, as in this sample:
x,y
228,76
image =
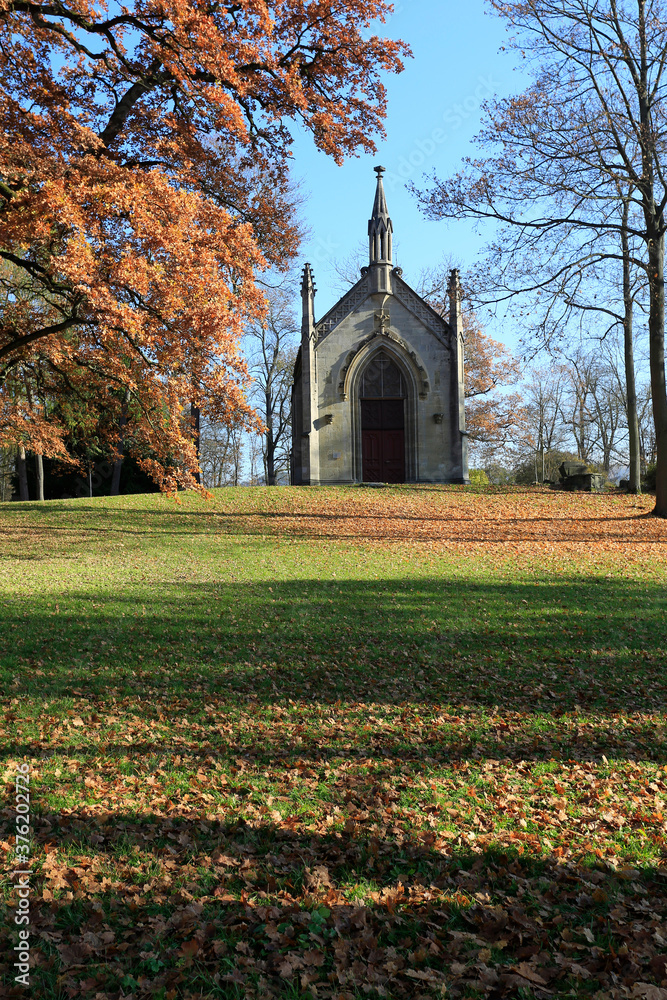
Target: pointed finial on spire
x,y
308,290
380,229
308,281
455,295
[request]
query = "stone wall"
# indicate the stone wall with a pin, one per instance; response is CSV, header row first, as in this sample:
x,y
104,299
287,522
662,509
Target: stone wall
x,y
425,359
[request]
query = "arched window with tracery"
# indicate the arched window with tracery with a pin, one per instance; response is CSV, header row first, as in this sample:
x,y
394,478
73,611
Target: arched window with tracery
x,y
382,378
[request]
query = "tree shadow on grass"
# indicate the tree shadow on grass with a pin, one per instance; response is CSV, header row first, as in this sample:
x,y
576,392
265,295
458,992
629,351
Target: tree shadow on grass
x,y
495,527
144,905
588,644
444,746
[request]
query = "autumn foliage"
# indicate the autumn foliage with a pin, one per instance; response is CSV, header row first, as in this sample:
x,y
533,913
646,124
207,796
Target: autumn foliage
x,y
143,182
492,417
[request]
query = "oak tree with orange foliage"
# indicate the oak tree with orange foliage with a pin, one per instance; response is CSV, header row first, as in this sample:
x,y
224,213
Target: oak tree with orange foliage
x,y
144,162
492,418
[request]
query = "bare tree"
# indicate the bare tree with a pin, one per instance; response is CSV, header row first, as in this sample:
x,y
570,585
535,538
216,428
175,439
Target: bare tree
x,y
575,407
220,454
632,415
235,453
544,395
257,460
272,352
591,126
646,429
596,408
544,432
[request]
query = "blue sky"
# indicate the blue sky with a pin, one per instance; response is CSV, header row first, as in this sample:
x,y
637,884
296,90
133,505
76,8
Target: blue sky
x,y
434,112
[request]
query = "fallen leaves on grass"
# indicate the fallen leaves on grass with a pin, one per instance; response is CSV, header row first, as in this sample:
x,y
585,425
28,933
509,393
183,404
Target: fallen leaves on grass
x,y
537,519
396,776
354,852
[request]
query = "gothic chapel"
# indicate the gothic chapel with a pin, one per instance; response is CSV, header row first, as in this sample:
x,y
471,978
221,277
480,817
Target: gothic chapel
x,y
378,382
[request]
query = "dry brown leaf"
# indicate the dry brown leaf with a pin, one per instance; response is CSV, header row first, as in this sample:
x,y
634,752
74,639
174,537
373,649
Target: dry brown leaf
x,y
529,973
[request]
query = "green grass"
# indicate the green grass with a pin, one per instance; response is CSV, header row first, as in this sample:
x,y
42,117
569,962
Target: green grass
x,y
338,742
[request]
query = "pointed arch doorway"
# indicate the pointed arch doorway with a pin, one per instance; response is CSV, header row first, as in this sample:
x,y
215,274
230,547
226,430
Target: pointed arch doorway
x,y
382,394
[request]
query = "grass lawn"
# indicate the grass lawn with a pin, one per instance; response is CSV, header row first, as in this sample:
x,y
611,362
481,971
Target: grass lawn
x,y
332,743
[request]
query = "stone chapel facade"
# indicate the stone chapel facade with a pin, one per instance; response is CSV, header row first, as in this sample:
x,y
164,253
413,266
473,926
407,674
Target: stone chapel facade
x,y
378,381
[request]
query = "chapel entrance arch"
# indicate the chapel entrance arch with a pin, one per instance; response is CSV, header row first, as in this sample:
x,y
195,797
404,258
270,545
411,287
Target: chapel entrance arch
x,y
382,399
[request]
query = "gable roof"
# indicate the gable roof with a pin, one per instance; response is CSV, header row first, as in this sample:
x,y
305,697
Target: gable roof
x,y
420,308
402,292
349,302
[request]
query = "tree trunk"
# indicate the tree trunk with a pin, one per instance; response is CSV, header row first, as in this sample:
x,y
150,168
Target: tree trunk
x,y
236,456
269,446
115,478
270,466
656,327
630,386
195,415
118,464
23,475
39,472
655,240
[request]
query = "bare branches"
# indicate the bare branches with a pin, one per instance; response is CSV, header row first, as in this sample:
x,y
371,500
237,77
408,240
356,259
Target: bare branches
x,y
143,186
272,346
577,177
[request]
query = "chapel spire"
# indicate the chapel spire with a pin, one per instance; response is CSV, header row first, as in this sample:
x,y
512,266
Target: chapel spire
x,y
380,229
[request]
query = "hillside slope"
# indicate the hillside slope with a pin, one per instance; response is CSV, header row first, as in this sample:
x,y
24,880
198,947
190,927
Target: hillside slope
x,y
355,742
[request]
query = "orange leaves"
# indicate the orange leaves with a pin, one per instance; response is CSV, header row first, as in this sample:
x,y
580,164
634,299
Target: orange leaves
x,y
145,189
489,365
488,362
511,519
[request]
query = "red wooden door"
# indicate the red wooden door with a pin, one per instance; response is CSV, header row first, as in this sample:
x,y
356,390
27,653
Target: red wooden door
x,y
371,443
382,441
393,455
